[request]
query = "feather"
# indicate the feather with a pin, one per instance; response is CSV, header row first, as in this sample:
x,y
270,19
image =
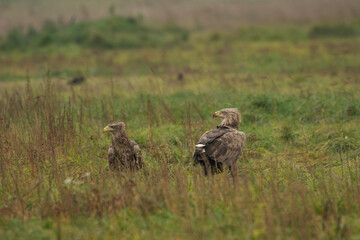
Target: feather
x,y
138,155
222,146
123,154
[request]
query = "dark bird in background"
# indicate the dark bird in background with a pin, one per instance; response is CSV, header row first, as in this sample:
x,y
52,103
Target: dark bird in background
x,y
222,146
76,80
180,76
123,154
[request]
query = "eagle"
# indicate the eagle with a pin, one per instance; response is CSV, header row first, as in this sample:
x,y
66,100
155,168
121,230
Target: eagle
x,y
123,154
222,146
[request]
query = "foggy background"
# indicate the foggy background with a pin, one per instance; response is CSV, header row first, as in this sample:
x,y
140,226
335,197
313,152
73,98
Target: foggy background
x,y
200,13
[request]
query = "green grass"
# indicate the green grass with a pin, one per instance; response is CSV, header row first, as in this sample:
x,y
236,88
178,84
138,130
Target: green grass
x,y
114,32
298,176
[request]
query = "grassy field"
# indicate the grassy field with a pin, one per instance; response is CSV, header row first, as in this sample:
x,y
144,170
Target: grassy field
x,y
297,87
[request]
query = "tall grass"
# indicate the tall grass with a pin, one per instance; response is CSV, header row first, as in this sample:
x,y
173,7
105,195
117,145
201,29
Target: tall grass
x,y
298,176
299,183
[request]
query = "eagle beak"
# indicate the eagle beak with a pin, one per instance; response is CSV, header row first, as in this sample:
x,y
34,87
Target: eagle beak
x,y
217,114
107,129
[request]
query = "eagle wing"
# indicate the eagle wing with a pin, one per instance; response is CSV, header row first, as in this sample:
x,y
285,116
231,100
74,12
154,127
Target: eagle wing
x,y
226,148
214,134
137,152
223,144
111,156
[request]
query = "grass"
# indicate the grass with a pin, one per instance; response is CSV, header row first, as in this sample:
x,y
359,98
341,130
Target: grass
x,y
298,176
114,32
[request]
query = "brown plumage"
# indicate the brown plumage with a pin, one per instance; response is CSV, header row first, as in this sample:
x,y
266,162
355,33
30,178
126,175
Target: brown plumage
x,y
123,154
222,146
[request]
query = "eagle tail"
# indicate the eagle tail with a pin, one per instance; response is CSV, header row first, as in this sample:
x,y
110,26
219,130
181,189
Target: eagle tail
x,y
199,153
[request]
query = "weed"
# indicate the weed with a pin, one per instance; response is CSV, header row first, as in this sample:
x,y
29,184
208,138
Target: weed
x,y
298,175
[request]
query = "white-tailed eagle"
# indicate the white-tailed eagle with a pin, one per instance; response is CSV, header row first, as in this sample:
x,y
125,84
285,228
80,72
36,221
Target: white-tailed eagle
x,y
222,146
123,154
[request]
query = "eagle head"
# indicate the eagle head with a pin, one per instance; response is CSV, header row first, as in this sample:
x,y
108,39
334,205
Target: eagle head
x,y
114,127
230,117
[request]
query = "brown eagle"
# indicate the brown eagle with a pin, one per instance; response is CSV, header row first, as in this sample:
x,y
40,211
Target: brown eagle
x,y
123,154
222,146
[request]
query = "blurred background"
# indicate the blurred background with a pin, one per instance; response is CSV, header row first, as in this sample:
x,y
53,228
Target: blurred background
x,y
65,36
200,13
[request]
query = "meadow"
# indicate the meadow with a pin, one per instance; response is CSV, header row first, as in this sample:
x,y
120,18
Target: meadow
x,y
296,86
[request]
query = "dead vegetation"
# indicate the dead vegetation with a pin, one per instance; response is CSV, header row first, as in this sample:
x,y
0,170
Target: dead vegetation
x,y
53,166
